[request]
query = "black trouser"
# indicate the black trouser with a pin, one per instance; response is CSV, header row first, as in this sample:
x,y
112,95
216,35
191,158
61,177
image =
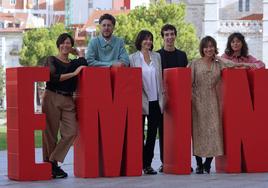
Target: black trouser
x,y
207,163
154,119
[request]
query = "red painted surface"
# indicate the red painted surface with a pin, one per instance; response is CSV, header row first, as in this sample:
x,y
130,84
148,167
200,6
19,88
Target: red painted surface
x,y
127,4
119,4
109,114
22,122
110,122
245,122
177,121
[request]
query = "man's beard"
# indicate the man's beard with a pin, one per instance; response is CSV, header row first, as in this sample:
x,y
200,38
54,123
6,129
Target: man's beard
x,y
108,36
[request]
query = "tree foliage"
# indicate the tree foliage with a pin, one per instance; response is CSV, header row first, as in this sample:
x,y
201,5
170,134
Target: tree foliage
x,y
39,43
152,19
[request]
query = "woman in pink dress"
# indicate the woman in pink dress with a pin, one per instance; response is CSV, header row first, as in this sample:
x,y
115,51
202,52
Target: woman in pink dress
x,y
237,51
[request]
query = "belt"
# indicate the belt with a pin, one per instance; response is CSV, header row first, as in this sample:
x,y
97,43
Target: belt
x,y
65,93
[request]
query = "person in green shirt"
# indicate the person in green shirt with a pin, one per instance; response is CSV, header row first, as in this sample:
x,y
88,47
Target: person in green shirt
x,y
106,49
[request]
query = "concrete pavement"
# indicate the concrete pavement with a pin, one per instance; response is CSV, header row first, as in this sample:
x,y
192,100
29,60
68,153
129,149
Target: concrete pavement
x,y
244,180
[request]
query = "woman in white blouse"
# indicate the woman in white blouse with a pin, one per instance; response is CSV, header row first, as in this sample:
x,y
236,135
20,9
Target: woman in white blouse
x,y
152,92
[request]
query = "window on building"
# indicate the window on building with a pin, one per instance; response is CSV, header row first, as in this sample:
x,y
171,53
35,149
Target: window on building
x,y
240,5
12,2
247,5
10,24
15,46
38,15
90,4
35,4
96,21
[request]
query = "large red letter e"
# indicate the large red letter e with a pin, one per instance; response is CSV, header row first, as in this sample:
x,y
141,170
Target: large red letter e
x,y
21,123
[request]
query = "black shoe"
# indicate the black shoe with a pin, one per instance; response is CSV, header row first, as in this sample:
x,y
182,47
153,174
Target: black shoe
x,y
149,170
199,170
57,172
160,169
207,168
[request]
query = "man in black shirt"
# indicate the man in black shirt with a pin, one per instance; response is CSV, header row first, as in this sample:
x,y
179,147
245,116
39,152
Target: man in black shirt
x,y
170,57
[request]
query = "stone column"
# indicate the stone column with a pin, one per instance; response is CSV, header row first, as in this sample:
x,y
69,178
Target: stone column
x,y
25,4
211,18
265,32
49,12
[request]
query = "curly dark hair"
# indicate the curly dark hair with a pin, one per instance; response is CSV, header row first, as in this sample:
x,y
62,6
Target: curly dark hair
x,y
244,50
204,43
143,34
107,17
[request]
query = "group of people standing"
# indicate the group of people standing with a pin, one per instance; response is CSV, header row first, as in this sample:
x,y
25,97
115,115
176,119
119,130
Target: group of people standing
x,y
107,50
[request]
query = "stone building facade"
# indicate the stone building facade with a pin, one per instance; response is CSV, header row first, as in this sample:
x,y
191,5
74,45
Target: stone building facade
x,y
220,18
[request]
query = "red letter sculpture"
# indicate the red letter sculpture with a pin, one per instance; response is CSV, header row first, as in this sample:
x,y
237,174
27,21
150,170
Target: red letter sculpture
x,y
21,123
110,122
245,121
177,121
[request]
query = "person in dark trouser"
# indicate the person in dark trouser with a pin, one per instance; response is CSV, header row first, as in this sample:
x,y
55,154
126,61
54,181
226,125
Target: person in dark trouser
x,y
58,103
170,57
152,92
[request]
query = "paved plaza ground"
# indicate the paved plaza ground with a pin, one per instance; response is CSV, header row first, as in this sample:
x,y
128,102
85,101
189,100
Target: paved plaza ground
x,y
244,180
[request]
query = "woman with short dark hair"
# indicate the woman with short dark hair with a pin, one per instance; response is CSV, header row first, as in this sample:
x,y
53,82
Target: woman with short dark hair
x,y
206,118
237,51
58,103
152,92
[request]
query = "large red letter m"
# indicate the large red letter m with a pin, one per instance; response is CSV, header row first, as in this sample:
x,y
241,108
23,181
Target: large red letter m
x,y
110,125
245,117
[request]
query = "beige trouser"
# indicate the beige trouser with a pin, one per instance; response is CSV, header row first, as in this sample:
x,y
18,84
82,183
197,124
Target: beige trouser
x,y
60,115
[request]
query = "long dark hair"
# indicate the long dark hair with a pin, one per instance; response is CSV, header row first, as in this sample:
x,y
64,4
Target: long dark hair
x,y
244,50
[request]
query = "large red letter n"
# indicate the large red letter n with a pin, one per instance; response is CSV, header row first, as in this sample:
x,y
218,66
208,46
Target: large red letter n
x,y
245,118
